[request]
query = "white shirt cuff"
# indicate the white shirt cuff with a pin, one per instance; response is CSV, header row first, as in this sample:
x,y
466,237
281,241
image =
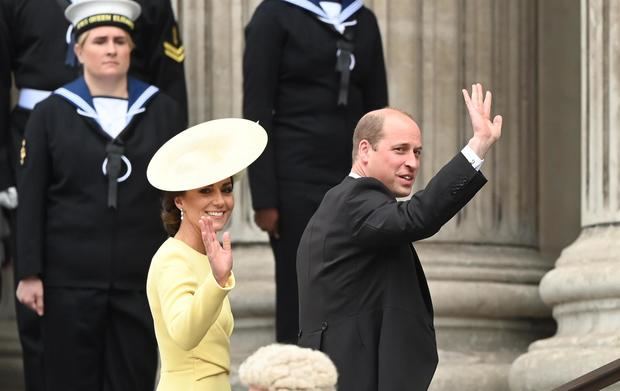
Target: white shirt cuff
x,y
472,157
8,198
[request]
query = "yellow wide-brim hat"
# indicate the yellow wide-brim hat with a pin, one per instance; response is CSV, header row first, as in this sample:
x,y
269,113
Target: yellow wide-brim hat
x,y
206,154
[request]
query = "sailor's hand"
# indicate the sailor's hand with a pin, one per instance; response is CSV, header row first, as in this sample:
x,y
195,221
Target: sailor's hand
x,y
267,219
30,293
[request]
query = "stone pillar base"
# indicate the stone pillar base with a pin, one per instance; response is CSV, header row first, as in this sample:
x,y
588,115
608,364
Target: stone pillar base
x,y
548,368
584,290
486,349
469,373
487,311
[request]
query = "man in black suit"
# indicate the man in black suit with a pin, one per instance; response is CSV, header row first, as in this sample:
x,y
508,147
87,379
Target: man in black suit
x,y
363,295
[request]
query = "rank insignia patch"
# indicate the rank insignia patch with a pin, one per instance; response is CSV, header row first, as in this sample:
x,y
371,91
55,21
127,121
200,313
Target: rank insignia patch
x,y
177,53
174,49
22,153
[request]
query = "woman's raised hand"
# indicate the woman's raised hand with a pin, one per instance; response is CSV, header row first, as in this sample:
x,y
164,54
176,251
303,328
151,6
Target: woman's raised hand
x,y
220,255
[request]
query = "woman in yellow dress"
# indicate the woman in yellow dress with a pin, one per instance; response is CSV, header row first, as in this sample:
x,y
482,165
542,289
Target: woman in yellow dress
x,y
191,273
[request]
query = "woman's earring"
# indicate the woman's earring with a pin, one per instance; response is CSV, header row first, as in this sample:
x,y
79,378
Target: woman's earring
x,y
181,213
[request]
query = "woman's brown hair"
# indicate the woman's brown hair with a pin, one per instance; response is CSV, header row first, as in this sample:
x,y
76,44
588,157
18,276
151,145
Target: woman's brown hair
x,y
170,214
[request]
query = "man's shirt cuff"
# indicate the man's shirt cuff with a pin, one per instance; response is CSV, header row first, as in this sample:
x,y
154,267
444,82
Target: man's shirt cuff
x,y
472,157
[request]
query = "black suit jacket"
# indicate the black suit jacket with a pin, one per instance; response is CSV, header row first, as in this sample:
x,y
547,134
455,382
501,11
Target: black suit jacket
x,y
363,295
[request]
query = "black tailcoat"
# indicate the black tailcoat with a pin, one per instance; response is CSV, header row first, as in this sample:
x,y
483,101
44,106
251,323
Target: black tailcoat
x,y
363,295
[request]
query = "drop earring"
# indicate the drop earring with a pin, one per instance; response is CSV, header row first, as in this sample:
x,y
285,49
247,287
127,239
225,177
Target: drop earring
x,y
182,213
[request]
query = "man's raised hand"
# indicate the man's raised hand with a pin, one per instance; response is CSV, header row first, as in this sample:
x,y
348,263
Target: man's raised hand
x,y
486,133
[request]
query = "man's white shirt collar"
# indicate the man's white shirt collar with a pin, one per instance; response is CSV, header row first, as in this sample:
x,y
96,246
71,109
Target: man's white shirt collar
x,y
354,174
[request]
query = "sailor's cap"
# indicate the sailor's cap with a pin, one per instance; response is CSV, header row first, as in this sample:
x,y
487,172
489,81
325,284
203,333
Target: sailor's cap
x,y
87,14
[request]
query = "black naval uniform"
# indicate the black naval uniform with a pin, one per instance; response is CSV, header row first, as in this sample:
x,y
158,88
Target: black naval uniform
x,y
89,232
292,86
33,50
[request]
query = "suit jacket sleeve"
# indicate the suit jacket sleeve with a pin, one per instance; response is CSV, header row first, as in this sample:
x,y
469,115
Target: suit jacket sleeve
x,y
33,187
5,97
189,307
162,51
380,220
375,85
264,38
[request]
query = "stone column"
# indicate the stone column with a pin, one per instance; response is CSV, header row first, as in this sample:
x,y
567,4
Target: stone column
x,y
213,37
584,287
484,266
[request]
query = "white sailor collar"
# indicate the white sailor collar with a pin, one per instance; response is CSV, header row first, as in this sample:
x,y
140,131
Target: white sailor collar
x,y
77,93
349,7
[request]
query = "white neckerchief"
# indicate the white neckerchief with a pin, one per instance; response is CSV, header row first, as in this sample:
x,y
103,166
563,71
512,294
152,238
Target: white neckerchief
x,y
335,19
112,114
333,9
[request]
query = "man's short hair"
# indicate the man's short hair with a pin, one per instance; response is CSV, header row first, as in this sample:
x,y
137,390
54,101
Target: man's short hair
x,y
370,127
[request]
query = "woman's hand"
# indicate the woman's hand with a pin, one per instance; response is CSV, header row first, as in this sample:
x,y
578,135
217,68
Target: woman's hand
x,y
30,293
220,255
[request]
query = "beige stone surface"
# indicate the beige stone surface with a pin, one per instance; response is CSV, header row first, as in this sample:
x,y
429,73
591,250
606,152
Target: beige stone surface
x,y
11,377
584,292
583,286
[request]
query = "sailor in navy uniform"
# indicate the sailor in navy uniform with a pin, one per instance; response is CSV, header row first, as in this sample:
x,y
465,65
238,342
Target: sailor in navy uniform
x,y
88,222
31,33
33,49
311,70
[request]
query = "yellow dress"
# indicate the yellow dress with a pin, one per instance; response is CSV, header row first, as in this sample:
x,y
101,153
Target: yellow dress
x,y
193,320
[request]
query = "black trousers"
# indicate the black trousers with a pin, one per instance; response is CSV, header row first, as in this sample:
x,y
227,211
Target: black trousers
x,y
298,202
98,340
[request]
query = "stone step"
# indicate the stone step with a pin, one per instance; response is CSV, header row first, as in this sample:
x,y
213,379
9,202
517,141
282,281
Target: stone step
x,y
11,373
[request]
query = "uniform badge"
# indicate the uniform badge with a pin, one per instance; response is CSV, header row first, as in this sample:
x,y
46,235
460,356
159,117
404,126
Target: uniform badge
x,y
22,153
174,49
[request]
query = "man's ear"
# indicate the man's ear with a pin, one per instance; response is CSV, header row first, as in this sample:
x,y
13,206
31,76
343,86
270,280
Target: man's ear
x,y
363,148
